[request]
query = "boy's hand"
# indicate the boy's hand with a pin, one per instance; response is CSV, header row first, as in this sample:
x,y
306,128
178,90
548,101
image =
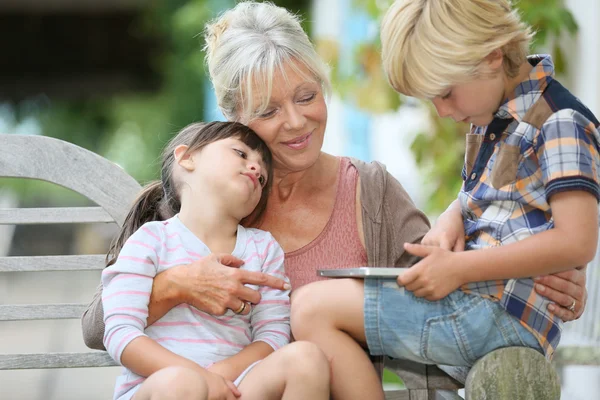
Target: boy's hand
x,y
448,232
433,277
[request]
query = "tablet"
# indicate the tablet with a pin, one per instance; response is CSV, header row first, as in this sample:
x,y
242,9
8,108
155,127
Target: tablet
x,y
362,272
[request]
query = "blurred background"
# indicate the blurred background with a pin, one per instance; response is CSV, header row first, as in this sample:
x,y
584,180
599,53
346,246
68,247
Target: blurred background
x,y
120,77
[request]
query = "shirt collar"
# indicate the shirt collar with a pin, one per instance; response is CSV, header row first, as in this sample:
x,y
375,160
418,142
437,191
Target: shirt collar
x,y
529,90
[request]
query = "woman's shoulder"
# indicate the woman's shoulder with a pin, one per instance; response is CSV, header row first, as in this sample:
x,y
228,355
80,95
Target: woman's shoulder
x,y
370,170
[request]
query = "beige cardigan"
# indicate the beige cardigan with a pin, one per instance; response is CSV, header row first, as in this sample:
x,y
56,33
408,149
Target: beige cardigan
x,y
389,220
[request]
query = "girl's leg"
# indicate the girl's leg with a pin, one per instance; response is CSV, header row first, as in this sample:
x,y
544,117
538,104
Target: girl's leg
x,y
331,315
298,371
173,383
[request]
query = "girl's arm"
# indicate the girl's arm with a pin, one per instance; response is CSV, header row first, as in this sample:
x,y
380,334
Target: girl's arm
x,y
144,357
232,367
571,243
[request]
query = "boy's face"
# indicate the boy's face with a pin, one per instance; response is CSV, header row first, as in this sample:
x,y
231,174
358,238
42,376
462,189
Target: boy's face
x,y
477,100
474,102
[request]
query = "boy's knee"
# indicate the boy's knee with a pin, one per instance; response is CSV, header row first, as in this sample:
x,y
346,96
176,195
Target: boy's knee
x,y
305,306
307,360
179,383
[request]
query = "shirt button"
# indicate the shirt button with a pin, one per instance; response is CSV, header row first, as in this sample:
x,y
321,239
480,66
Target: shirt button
x,y
493,136
473,176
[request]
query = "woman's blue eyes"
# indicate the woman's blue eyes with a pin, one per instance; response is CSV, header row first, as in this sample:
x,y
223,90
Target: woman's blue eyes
x,y
305,99
308,98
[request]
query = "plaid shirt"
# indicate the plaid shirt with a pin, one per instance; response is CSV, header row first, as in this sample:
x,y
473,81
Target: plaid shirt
x,y
511,170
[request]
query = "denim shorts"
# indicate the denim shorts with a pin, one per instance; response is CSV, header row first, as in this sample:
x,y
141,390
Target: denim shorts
x,y
457,330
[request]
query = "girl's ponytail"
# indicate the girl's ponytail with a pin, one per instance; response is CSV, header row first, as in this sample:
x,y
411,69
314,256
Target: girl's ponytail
x,y
150,205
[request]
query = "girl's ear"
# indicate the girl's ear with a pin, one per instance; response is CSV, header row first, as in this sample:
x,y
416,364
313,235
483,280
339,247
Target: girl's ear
x,y
184,158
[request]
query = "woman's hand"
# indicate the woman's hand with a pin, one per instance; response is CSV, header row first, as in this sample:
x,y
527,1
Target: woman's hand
x,y
212,284
448,231
563,289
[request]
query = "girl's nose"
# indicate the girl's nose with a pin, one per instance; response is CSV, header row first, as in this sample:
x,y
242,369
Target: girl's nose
x,y
255,168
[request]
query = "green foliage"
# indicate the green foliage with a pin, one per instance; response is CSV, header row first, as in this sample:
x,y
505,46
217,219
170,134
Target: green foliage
x,y
130,129
440,152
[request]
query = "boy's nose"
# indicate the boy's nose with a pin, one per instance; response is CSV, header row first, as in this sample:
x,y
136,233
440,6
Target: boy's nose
x,y
442,107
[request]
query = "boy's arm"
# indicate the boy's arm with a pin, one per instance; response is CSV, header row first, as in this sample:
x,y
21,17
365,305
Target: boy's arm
x,y
571,243
448,231
270,319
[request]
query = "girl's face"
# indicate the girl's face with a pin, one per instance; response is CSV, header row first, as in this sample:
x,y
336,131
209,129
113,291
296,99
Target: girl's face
x,y
293,125
229,169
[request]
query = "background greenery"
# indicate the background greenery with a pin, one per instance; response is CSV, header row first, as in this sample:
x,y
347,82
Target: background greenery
x,y
440,151
145,121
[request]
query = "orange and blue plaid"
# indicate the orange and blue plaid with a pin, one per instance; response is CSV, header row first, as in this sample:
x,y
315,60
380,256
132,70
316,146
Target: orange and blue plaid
x,y
518,167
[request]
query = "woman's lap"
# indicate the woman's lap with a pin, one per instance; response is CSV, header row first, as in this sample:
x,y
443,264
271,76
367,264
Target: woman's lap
x,y
456,330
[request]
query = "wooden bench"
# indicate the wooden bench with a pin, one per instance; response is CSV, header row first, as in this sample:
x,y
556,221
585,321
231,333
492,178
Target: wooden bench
x,y
514,373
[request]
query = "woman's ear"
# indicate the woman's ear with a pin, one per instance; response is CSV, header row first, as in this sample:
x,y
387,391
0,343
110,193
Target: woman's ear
x,y
183,157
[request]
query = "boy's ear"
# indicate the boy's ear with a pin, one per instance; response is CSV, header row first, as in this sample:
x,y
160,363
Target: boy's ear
x,y
184,159
494,60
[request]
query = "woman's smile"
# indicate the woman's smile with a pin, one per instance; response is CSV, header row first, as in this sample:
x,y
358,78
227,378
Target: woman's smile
x,y
299,143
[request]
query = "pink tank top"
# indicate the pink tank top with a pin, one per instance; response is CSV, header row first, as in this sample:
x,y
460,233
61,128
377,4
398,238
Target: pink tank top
x,y
338,245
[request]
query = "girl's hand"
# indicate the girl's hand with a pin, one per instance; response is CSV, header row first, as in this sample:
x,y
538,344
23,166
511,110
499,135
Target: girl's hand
x,y
224,369
448,232
220,388
563,289
434,276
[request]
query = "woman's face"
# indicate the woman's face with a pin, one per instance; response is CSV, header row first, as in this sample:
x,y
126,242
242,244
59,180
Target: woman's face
x,y
293,124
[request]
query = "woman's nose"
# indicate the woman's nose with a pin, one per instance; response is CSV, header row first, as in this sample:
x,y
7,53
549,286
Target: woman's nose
x,y
295,119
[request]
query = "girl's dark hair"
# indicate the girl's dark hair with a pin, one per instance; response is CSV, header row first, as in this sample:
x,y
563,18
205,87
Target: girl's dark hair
x,y
159,200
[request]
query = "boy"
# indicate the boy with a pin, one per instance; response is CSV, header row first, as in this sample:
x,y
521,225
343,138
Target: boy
x,y
528,205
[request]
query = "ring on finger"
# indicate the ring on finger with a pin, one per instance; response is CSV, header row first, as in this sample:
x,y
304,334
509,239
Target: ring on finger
x,y
572,306
242,308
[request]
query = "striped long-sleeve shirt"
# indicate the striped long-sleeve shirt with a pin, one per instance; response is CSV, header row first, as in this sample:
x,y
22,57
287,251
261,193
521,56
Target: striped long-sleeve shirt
x,y
185,330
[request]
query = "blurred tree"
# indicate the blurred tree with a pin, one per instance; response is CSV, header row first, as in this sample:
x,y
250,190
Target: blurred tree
x,y
440,152
131,128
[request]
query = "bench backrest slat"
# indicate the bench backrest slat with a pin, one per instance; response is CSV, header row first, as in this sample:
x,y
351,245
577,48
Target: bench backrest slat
x,y
56,360
92,176
52,263
70,166
52,215
27,312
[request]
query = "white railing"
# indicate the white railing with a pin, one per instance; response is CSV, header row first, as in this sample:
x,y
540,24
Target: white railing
x,y
586,330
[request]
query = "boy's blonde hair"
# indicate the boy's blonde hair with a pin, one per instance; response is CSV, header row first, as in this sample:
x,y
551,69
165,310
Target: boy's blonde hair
x,y
430,45
246,46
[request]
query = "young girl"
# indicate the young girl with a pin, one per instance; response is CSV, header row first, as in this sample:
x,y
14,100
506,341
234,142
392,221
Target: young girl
x,y
213,175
